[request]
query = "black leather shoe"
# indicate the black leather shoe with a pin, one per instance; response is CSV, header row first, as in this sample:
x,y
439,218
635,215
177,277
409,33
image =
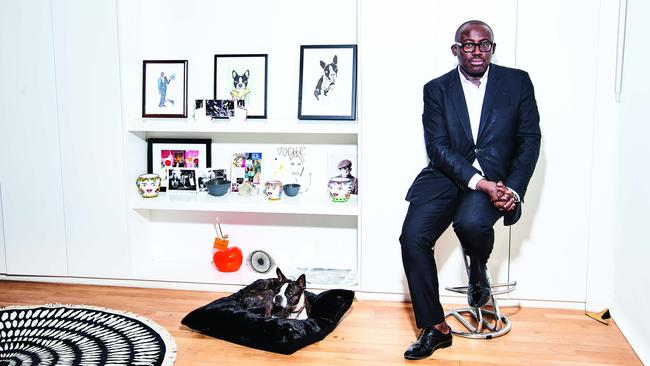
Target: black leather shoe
x,y
430,339
479,293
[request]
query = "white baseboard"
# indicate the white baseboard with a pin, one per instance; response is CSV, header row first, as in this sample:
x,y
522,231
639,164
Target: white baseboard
x,y
361,295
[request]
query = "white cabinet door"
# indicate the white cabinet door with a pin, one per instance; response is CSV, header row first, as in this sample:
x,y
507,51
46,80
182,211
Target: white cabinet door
x,y
400,50
92,153
30,171
3,262
549,244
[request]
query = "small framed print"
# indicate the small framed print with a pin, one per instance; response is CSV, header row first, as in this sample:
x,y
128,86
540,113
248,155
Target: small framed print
x,y
164,88
204,175
164,154
181,180
242,77
220,108
328,82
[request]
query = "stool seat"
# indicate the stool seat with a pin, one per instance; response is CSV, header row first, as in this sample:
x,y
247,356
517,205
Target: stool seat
x,y
479,322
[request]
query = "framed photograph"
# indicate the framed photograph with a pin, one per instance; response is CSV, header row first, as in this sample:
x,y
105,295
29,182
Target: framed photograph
x,y
220,108
242,77
164,88
181,180
328,82
167,153
204,175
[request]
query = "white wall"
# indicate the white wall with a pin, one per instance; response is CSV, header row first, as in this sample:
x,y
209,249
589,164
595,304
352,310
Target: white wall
x,y
575,143
632,251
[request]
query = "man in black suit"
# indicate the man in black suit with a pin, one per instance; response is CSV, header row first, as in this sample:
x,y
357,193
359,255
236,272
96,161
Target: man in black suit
x,y
482,136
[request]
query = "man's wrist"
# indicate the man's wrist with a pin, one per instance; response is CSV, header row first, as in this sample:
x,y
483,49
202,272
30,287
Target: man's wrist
x,y
473,182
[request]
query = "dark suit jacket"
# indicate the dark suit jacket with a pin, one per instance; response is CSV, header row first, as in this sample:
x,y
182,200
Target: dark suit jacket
x,y
508,139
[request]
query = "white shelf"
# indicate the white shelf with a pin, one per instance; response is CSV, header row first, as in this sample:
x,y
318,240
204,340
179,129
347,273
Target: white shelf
x,y
301,204
184,125
158,270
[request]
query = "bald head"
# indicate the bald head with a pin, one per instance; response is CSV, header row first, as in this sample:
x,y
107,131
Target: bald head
x,y
469,23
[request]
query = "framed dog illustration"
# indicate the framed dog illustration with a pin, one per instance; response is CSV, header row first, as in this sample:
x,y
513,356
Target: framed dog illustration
x,y
242,78
164,88
328,82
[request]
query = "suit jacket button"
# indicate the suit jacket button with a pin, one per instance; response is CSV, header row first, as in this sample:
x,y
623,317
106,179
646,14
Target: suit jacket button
x,y
477,150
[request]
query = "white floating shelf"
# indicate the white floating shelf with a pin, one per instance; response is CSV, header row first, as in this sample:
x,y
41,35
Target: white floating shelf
x,y
301,204
186,271
249,126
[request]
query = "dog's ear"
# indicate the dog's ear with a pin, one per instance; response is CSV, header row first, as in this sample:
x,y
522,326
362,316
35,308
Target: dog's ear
x,y
335,60
322,64
302,281
281,276
234,74
247,73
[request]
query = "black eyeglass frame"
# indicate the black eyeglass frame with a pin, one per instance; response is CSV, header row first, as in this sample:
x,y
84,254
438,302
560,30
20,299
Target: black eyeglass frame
x,y
481,45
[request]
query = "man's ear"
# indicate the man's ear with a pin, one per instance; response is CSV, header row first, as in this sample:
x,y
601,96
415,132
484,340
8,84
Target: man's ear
x,y
494,48
454,50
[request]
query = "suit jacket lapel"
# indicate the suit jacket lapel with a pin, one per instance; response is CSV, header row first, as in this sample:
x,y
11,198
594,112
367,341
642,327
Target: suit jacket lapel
x,y
491,91
458,98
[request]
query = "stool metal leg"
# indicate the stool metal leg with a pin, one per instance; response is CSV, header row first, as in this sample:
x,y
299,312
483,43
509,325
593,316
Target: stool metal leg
x,y
489,323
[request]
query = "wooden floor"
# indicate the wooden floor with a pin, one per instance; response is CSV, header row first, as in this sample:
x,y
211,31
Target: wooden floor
x,y
372,333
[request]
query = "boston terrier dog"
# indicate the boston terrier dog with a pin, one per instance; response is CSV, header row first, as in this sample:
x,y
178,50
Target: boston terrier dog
x,y
328,79
240,85
277,297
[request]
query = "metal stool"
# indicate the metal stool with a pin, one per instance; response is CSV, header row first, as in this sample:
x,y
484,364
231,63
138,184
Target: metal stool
x,y
487,324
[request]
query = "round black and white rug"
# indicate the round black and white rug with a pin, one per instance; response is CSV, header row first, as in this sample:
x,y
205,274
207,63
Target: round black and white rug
x,y
81,335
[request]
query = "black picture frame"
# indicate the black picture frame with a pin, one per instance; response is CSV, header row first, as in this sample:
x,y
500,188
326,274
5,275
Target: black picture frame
x,y
157,100
157,163
249,66
320,96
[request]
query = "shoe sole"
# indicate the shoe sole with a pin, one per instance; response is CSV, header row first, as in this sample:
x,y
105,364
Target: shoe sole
x,y
440,345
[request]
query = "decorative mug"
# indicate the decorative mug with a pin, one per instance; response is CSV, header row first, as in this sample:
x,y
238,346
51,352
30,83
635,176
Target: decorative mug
x,y
148,185
273,190
339,189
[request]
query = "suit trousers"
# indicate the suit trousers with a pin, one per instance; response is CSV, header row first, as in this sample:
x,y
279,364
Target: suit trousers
x,y
473,217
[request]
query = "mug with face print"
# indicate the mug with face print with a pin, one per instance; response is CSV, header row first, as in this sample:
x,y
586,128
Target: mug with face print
x,y
148,185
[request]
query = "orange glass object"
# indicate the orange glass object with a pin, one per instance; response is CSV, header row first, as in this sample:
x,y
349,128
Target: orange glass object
x,y
228,260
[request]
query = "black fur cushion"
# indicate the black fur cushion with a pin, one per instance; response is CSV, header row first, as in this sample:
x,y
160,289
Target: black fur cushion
x,y
226,319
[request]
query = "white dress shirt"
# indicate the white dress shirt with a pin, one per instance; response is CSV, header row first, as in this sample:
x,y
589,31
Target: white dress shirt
x,y
474,99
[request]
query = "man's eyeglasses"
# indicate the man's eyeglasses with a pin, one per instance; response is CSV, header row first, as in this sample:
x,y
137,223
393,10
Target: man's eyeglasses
x,y
468,47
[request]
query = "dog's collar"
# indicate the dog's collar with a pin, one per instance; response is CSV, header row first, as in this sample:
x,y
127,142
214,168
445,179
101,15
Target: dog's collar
x,y
298,311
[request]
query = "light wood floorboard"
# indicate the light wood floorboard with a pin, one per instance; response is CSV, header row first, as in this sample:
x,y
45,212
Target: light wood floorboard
x,y
372,333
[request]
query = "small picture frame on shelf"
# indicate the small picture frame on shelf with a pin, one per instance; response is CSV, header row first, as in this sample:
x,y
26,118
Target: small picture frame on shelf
x,y
204,175
220,108
328,82
181,180
167,153
242,77
200,112
164,88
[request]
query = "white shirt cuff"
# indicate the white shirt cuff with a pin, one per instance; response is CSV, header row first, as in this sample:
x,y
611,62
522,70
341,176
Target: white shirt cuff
x,y
517,199
474,181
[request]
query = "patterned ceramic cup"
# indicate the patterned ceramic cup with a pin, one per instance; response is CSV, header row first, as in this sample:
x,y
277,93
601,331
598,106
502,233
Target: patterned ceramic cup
x,y
273,190
339,189
148,185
